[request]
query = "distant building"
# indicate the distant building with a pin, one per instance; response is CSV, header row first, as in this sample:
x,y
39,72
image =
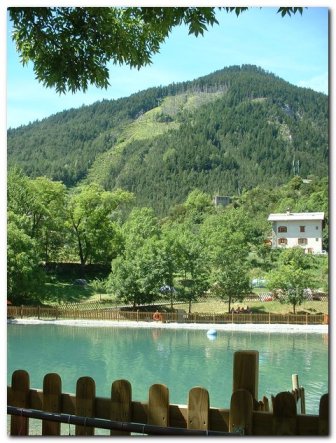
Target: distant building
x,y
221,200
302,229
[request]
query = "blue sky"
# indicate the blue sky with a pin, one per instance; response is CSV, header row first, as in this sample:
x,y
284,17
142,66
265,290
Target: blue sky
x,y
294,48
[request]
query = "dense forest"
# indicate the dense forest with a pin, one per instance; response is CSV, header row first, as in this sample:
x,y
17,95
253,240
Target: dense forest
x,y
225,133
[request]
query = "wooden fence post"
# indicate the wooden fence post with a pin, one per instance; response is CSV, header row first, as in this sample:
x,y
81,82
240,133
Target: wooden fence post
x,y
158,405
241,410
299,393
265,402
324,415
198,409
295,387
284,414
246,372
121,404
52,395
20,398
302,400
85,402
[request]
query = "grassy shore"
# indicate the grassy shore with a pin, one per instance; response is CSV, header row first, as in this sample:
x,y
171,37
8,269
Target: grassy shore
x,y
275,307
67,292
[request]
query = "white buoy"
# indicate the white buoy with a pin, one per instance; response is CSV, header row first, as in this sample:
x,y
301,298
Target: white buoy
x,y
212,332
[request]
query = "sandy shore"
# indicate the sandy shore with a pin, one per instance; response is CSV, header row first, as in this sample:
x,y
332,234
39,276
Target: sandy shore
x,y
248,327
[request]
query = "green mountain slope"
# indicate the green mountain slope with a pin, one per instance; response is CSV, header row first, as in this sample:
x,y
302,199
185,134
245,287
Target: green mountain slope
x,y
231,130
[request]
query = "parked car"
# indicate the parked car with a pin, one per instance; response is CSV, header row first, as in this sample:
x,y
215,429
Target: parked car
x,y
259,283
80,282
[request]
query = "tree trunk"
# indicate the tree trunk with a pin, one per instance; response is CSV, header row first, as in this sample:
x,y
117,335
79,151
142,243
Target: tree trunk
x,y
80,248
229,305
46,249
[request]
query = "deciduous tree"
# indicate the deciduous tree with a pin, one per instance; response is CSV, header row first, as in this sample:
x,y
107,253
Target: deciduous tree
x,y
41,204
136,275
70,47
24,273
290,282
90,219
293,275
227,243
193,266
230,278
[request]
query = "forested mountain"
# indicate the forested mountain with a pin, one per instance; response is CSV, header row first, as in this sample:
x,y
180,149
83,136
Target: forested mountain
x,y
228,131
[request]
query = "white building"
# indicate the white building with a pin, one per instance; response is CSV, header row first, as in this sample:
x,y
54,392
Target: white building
x,y
297,229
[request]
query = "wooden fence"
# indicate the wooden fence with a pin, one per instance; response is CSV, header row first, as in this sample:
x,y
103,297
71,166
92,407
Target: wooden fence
x,y
97,312
244,414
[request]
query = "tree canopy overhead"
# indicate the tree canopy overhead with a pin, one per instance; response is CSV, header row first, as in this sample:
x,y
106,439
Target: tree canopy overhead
x,y
71,47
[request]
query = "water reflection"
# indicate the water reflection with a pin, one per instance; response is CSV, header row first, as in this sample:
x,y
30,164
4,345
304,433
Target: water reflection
x,y
181,359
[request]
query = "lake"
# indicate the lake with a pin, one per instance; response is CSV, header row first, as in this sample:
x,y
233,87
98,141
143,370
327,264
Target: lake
x,y
180,359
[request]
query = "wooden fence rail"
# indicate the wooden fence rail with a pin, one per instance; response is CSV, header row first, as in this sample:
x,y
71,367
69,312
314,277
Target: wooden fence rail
x,y
245,413
102,313
101,423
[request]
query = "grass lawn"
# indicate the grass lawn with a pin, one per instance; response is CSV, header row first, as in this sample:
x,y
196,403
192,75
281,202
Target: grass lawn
x,y
258,307
66,291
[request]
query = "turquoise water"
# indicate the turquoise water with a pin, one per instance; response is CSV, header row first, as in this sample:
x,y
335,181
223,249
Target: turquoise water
x,y
180,359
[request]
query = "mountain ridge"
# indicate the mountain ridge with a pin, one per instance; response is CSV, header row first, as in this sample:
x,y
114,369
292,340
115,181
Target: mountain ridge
x,y
230,130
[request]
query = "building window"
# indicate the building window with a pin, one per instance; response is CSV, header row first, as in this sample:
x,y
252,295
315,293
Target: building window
x,y
316,227
302,241
302,228
282,229
282,241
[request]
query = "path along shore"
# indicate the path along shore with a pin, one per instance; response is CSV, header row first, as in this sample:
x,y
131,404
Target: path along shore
x,y
247,327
